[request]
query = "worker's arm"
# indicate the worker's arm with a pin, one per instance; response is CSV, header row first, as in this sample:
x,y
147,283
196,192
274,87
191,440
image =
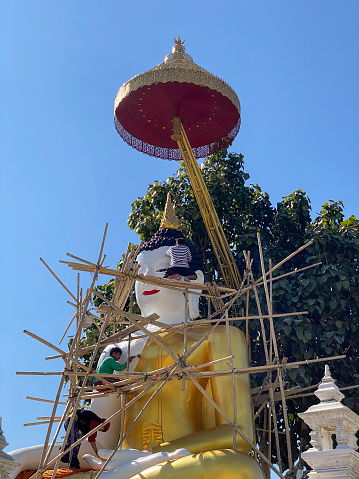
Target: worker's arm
x,y
92,438
94,447
117,366
131,358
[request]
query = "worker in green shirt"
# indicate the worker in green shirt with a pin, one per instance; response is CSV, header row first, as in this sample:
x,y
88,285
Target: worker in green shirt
x,y
110,364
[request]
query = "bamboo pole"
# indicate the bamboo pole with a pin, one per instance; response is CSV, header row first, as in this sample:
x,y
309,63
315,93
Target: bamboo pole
x,y
52,346
264,338
58,279
287,258
239,432
268,367
270,431
275,424
260,282
248,339
200,322
43,455
185,334
165,283
45,400
234,392
276,358
80,259
68,327
250,370
209,363
39,423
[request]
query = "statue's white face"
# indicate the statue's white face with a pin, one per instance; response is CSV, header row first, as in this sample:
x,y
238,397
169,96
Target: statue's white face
x,y
163,301
153,299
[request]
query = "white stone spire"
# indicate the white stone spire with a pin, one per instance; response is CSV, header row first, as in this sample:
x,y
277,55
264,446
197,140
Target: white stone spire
x,y
7,463
333,453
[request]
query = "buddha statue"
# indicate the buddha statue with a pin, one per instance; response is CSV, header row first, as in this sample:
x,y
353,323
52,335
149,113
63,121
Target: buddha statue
x,y
178,417
179,434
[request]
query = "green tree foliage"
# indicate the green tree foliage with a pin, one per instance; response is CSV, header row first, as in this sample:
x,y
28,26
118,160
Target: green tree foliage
x,y
329,292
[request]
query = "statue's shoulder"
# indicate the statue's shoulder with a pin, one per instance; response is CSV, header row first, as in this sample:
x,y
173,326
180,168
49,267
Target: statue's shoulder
x,y
220,332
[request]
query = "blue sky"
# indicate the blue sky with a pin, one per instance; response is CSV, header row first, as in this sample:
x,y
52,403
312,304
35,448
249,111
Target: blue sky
x,y
65,172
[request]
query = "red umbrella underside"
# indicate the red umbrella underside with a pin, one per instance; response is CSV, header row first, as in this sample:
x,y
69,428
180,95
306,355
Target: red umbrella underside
x,y
143,119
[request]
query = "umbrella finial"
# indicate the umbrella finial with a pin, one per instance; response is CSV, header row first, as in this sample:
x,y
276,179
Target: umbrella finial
x,y
178,53
178,41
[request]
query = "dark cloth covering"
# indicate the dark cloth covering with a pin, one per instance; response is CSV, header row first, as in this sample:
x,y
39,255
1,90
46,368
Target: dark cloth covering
x,y
167,237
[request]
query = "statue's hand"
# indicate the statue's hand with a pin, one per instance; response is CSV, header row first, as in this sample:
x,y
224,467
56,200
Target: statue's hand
x,y
129,462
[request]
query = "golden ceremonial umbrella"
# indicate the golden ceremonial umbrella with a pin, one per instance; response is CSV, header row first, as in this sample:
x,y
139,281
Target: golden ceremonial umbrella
x,y
178,109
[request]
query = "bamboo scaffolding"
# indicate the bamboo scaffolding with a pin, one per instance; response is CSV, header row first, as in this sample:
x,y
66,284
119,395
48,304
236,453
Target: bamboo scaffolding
x,y
92,359
139,382
173,284
124,285
73,352
62,353
47,418
276,357
239,432
217,300
86,436
268,355
137,323
43,455
135,420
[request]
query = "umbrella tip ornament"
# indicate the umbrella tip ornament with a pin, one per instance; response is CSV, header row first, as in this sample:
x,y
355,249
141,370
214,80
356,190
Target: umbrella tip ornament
x,y
178,53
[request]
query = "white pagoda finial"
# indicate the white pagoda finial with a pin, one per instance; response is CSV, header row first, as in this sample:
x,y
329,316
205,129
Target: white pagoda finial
x,y
328,391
